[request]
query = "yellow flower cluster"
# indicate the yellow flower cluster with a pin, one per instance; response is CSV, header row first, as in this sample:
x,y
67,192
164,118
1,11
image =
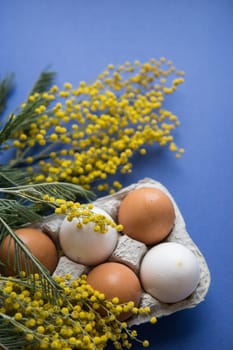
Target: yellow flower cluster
x,y
74,322
85,134
83,212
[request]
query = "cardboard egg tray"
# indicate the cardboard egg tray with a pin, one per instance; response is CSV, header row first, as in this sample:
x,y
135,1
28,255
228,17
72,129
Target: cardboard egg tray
x,y
130,252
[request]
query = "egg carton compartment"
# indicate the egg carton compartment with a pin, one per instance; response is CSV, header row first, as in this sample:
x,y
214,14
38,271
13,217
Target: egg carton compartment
x,y
130,252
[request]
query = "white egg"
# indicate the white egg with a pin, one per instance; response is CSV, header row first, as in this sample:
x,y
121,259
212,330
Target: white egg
x,y
170,272
84,245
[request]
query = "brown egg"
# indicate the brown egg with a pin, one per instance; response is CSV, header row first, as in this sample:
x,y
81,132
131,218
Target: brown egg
x,y
116,280
147,215
40,245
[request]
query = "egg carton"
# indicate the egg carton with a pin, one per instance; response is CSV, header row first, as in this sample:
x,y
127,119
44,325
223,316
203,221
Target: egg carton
x,y
130,252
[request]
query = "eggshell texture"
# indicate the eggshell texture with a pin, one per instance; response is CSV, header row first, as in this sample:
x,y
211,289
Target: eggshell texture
x,y
147,215
170,272
116,280
84,245
40,245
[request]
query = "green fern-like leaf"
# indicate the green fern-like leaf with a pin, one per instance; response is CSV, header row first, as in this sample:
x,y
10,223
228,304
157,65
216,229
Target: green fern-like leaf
x,y
26,115
11,176
16,213
35,192
19,121
43,82
6,87
10,339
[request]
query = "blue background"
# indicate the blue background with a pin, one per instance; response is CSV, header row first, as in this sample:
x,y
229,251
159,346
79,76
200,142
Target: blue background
x,y
79,39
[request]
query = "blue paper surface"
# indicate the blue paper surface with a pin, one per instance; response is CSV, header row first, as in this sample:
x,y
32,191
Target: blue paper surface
x,y
79,39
